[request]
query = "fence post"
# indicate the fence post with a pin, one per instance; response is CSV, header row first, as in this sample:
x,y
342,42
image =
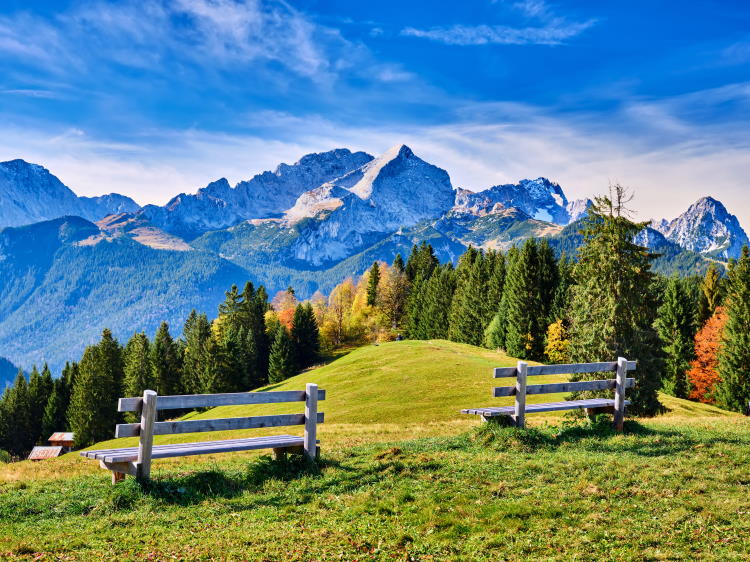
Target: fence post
x,y
520,412
146,440
620,381
311,421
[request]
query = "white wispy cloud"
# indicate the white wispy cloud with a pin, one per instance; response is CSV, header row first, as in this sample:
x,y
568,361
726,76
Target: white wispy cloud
x,y
663,149
550,30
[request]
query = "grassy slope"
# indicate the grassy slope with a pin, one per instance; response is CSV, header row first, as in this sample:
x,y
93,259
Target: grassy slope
x,y
674,486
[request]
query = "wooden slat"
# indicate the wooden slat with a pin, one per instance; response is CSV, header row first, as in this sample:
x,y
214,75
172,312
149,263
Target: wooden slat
x,y
209,447
222,424
552,388
568,369
548,407
189,401
502,372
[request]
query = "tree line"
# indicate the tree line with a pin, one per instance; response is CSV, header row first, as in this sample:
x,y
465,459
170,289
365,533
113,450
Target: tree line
x,y
245,347
689,335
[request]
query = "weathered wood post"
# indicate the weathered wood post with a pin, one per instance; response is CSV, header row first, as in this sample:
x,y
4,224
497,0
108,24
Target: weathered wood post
x,y
311,421
146,441
520,413
620,382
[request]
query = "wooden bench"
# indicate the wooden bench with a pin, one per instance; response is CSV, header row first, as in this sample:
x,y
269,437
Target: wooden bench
x,y
136,461
521,389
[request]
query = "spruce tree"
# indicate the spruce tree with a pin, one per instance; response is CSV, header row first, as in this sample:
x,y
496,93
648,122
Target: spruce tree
x,y
305,336
138,370
496,330
561,301
422,262
415,314
495,264
525,317
372,284
549,279
281,361
437,300
613,306
197,333
40,389
398,263
675,326
166,363
19,436
54,419
467,309
710,295
733,390
92,413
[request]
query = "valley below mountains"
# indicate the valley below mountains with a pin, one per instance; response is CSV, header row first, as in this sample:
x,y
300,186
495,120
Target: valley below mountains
x,y
70,266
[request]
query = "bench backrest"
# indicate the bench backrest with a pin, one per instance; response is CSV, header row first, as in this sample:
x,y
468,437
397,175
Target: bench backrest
x,y
211,401
521,389
151,402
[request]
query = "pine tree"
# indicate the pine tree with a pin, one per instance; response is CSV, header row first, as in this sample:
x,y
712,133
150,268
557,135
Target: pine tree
x,y
40,389
137,367
675,326
466,323
197,333
613,305
305,336
422,262
372,284
549,279
710,296
494,334
495,264
733,391
53,419
525,316
561,301
92,413
415,315
398,263
19,433
281,361
437,300
166,363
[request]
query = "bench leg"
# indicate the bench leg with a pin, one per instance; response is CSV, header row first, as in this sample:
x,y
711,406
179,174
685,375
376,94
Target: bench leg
x,y
117,477
279,454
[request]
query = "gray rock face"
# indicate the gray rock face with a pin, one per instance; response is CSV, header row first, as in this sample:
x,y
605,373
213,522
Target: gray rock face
x,y
396,190
541,199
29,193
708,228
218,205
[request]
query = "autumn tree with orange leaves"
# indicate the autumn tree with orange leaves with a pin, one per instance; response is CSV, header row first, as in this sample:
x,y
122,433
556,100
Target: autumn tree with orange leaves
x,y
704,374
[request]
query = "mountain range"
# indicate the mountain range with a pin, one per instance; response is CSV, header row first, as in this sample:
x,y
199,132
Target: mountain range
x,y
70,266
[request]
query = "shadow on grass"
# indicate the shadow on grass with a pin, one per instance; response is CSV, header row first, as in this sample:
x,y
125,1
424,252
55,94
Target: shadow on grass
x,y
594,436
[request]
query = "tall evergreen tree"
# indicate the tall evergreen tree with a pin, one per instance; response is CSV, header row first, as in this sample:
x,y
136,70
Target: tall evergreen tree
x,y
525,315
40,389
467,308
422,262
54,412
710,295
137,367
281,361
733,390
561,301
437,299
166,363
415,314
495,264
613,306
675,326
549,279
19,437
305,336
197,334
496,330
372,284
92,413
398,263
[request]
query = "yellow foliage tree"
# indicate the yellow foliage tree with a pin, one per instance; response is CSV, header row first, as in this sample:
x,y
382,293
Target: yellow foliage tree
x,y
558,343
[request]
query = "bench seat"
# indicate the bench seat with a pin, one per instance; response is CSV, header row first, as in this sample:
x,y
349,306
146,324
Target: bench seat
x,y
547,407
130,454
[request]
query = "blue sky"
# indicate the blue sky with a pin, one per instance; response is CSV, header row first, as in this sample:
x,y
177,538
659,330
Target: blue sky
x,y
154,97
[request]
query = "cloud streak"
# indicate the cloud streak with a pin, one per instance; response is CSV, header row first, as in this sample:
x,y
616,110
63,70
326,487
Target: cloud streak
x,y
552,31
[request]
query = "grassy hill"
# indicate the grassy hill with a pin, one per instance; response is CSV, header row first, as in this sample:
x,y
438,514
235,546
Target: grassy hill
x,y
404,475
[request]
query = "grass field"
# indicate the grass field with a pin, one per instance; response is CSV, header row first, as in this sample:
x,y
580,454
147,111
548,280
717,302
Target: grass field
x,y
405,476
